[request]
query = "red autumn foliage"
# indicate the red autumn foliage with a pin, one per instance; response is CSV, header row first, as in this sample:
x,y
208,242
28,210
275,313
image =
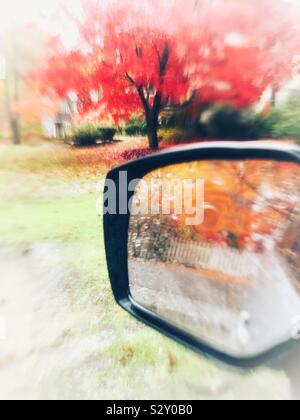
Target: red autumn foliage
x,y
147,56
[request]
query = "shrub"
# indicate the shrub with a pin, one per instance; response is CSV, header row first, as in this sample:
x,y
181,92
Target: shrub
x,y
90,135
85,136
136,127
106,134
229,123
285,120
171,136
182,119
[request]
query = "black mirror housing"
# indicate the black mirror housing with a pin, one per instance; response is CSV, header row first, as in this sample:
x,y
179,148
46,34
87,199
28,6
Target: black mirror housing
x,y
116,226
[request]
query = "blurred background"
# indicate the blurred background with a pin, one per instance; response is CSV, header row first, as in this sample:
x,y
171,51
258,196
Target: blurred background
x,y
89,84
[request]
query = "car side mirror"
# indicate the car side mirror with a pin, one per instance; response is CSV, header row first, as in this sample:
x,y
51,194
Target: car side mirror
x,y
203,245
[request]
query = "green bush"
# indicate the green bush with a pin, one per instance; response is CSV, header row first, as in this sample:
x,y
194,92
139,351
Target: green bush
x,y
85,136
136,127
90,135
285,120
232,124
106,134
182,119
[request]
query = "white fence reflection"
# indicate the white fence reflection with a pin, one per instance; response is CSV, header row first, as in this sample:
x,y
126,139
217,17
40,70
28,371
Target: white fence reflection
x,y
213,257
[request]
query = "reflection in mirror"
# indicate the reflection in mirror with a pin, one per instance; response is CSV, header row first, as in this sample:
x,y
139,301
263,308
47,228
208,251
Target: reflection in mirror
x,y
214,249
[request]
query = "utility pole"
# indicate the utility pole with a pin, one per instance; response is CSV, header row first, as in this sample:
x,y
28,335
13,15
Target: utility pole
x,y
14,117
10,75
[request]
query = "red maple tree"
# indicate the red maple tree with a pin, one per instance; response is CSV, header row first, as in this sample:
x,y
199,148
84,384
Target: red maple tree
x,y
150,55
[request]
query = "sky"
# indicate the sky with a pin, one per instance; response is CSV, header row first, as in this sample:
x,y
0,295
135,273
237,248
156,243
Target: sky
x,y
24,11
28,11
45,13
18,12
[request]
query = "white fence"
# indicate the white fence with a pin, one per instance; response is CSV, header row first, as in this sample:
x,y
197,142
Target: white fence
x,y
213,257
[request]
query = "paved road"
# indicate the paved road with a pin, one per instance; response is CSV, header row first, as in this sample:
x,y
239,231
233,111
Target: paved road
x,y
242,319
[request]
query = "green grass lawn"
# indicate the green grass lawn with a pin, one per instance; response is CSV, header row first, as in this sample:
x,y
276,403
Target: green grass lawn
x,y
50,195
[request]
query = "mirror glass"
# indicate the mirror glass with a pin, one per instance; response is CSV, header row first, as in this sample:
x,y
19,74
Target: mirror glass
x,y
214,249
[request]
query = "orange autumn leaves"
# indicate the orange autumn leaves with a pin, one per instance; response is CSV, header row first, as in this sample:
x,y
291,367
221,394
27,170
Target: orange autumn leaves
x,y
242,200
227,205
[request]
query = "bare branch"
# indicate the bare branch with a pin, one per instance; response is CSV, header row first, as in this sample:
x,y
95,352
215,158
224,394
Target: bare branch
x,y
165,102
148,93
130,79
164,60
158,54
145,103
187,103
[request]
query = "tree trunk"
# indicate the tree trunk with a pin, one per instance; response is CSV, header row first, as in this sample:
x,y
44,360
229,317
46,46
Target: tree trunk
x,y
12,117
152,126
152,122
274,98
15,128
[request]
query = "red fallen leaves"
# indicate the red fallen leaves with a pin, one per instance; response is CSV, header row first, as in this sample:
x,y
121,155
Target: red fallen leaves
x,y
135,153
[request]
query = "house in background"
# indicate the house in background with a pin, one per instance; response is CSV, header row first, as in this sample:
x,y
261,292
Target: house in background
x,y
63,122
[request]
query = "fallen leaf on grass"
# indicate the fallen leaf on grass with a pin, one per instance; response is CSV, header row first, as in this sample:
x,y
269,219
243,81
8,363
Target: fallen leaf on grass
x,y
128,354
173,362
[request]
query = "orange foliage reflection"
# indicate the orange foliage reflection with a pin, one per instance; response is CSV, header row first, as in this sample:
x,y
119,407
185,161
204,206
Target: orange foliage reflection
x,y
245,202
